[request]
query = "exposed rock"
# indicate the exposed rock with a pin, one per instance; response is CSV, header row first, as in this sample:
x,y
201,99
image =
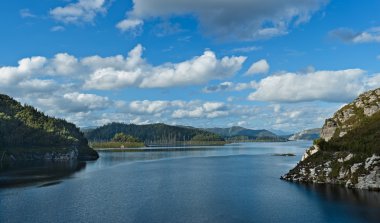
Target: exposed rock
x,y
346,118
332,160
328,129
63,155
369,111
369,181
312,150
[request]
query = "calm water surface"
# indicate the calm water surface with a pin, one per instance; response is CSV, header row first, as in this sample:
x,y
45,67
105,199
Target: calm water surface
x,y
234,183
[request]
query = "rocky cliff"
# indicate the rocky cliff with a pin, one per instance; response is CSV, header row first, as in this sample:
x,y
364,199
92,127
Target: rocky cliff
x,y
348,152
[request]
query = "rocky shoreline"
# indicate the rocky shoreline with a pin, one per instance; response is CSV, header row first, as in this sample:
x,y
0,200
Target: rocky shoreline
x,y
59,155
347,153
341,168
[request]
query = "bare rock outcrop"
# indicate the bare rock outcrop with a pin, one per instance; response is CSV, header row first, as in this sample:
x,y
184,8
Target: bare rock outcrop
x,y
347,152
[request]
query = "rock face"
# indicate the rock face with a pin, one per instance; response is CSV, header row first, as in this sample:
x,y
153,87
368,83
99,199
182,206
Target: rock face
x,y
309,134
64,155
348,152
347,117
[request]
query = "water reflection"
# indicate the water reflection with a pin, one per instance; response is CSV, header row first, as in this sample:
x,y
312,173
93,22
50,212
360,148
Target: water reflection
x,y
362,204
25,173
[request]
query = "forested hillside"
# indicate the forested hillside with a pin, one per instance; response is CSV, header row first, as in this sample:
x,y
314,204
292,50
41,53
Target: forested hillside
x,y
24,128
237,133
152,133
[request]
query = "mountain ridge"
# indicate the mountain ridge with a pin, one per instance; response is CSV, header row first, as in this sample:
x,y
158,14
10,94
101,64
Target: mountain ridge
x,y
237,132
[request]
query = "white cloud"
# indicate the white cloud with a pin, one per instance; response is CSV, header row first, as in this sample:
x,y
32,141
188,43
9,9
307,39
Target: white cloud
x,y
239,19
134,71
63,64
198,70
57,29
333,86
109,78
26,67
205,110
148,107
246,49
348,35
83,11
26,13
74,102
129,24
116,72
259,67
373,81
229,86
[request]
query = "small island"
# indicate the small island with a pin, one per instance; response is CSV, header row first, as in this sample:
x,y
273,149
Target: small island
x,y
116,135
284,154
120,141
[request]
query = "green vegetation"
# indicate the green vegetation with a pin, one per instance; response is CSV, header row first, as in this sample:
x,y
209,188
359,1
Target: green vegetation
x,y
101,145
25,127
155,134
240,134
364,138
120,140
121,137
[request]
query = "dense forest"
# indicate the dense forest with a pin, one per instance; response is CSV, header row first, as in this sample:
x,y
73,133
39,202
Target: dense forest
x,y
152,133
25,127
237,133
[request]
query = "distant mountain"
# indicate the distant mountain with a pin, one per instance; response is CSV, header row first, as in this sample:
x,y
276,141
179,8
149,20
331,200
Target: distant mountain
x,y
281,133
308,134
240,133
27,134
88,128
152,133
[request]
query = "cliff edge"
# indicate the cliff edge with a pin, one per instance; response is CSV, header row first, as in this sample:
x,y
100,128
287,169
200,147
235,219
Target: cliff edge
x,y
348,152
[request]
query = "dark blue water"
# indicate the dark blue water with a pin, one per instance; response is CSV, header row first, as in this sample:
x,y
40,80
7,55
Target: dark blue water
x,y
237,183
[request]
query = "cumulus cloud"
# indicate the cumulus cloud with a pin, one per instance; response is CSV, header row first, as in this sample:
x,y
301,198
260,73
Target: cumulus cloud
x,y
350,36
206,110
129,24
259,67
373,81
239,19
73,102
332,86
136,72
82,11
198,70
116,72
148,107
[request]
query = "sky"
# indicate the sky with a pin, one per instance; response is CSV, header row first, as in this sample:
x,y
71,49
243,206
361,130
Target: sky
x,y
278,65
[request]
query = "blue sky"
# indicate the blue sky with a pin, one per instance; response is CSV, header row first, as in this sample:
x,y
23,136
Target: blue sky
x,y
260,64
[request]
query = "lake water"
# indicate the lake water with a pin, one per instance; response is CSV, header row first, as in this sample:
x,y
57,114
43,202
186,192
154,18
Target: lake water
x,y
233,183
